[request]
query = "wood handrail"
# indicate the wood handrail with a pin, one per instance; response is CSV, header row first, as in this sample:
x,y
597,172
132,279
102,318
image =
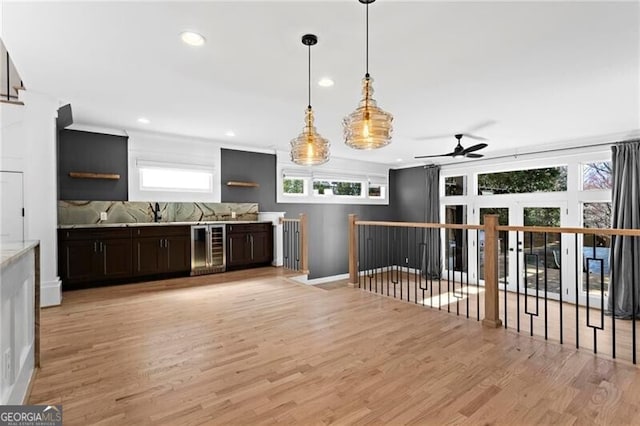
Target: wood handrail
x,y
586,231
418,225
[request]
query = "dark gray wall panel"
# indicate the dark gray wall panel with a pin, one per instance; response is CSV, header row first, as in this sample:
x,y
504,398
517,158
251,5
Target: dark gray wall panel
x,y
328,227
92,152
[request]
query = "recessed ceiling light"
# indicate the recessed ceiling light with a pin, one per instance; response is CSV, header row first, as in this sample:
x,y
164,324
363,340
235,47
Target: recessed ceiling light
x,y
325,82
191,38
398,159
230,133
143,120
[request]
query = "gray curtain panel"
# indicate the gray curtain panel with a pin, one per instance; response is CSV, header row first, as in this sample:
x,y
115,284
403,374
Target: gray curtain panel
x,y
624,291
431,261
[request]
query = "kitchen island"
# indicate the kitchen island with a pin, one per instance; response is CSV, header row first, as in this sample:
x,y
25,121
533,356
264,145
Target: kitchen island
x,y
19,318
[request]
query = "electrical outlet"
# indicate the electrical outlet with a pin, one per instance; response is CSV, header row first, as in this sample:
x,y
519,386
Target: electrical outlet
x,y
233,215
103,215
7,366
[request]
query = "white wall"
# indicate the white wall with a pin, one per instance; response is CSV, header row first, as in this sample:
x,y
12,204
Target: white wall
x,y
28,145
171,149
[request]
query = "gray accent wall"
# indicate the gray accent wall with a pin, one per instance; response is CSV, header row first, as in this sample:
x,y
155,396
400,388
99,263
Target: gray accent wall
x,y
328,227
80,151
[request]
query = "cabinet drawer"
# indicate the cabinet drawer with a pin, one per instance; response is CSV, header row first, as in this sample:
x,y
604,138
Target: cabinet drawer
x,y
93,233
161,231
248,227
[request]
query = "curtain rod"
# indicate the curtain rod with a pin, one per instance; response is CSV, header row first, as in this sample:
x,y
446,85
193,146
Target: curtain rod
x,y
547,151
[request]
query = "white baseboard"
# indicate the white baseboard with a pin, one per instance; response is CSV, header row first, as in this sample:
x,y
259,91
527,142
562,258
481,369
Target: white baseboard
x,y
303,279
51,293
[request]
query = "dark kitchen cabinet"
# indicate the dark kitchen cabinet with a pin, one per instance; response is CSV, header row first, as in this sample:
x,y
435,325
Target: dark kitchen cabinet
x,y
162,249
249,245
93,254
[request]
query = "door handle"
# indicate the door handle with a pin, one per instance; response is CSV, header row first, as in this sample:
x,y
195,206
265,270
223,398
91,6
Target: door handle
x,y
251,240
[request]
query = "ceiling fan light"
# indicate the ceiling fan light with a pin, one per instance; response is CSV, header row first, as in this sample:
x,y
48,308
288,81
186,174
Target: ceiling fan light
x,y
309,148
369,126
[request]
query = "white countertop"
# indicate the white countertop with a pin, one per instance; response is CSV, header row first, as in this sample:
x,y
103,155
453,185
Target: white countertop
x,y
136,224
11,251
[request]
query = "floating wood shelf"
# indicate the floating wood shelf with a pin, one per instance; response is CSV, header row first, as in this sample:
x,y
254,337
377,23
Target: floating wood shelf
x,y
88,175
243,184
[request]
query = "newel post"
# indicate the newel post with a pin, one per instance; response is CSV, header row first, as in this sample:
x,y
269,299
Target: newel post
x,y
491,303
353,251
304,244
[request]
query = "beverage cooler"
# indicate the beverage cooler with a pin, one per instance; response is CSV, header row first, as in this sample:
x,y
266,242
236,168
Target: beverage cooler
x,y
207,249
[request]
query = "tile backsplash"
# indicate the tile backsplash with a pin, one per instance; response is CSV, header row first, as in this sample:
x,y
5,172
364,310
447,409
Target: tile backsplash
x,y
88,212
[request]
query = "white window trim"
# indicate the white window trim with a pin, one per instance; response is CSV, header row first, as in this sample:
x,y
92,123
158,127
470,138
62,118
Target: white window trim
x,y
365,173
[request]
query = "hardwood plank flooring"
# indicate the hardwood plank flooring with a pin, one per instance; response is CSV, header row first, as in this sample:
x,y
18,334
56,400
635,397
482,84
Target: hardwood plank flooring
x,y
254,347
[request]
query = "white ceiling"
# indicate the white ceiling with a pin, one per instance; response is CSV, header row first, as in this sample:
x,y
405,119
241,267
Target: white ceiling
x,y
539,73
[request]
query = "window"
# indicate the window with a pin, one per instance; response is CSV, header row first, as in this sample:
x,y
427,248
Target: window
x,y
155,178
294,186
455,185
456,239
336,187
332,186
376,190
597,176
549,179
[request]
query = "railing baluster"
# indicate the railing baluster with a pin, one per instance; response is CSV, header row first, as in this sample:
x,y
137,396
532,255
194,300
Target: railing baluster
x,y
546,282
560,284
577,268
518,280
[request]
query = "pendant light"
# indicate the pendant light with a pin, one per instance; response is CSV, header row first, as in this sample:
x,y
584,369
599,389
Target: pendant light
x,y
309,148
368,127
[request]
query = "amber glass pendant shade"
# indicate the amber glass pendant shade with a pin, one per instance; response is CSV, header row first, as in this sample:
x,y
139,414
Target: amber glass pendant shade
x,y
309,148
368,127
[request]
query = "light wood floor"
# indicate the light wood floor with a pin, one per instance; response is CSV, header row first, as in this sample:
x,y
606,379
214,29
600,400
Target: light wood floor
x,y
471,299
255,347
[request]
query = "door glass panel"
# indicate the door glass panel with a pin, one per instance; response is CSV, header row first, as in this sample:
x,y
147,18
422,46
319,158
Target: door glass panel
x,y
456,239
595,249
503,242
542,251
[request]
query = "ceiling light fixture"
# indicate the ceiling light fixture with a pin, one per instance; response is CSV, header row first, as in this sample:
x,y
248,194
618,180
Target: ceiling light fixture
x,y
143,120
325,82
191,38
368,127
230,133
309,148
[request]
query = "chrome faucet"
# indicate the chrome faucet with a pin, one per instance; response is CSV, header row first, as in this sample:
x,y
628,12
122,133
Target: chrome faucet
x,y
156,213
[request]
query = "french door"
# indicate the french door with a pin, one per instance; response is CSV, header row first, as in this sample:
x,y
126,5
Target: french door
x,y
528,260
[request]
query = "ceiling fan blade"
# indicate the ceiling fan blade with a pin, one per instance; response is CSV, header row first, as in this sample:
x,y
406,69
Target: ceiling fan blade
x,y
432,137
472,155
478,138
451,154
481,125
474,148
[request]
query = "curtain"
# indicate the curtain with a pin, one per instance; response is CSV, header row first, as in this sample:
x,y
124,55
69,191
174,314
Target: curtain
x,y
624,292
431,262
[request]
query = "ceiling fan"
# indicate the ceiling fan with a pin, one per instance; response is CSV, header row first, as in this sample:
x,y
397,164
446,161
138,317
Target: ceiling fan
x,y
460,151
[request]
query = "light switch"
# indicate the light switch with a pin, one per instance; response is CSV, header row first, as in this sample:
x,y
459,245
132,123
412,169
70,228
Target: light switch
x,y
233,215
103,215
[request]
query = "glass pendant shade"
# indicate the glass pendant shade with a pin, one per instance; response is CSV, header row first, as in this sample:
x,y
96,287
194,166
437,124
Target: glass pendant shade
x,y
309,148
368,127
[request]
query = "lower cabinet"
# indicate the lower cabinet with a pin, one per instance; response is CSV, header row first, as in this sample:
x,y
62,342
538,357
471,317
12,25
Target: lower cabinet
x,y
94,255
89,256
249,245
161,250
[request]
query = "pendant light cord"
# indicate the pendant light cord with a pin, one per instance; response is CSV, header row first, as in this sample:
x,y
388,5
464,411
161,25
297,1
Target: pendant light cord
x,y
309,76
367,42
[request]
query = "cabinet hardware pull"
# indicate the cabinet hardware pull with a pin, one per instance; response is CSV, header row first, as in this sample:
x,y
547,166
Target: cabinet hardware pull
x,y
251,239
101,247
95,246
